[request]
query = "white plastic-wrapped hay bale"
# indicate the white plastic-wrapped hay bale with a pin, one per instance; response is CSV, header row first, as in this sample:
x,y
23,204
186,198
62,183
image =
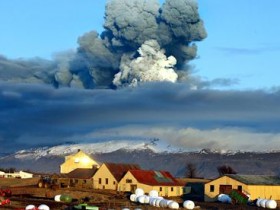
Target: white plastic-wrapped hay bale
x,y
262,203
153,193
133,197
30,207
125,208
147,199
152,200
139,192
173,205
163,203
188,204
57,198
158,200
271,204
224,198
258,203
43,207
168,202
141,199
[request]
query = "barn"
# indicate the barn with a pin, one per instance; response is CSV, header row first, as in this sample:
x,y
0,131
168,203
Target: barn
x,y
161,181
256,186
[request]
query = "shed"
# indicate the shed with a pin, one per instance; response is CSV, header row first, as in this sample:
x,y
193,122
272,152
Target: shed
x,y
193,188
256,186
81,177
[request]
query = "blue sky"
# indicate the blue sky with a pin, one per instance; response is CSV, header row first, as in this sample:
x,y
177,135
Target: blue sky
x,y
243,36
235,107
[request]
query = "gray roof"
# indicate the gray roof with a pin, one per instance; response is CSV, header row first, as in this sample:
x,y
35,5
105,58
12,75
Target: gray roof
x,y
256,179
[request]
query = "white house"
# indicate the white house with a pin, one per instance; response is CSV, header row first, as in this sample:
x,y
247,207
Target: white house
x,y
20,174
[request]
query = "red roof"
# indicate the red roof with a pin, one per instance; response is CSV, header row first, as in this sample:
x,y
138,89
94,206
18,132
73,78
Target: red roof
x,y
118,170
155,178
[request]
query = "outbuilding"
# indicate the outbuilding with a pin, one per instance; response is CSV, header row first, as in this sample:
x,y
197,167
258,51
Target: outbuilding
x,y
82,177
255,186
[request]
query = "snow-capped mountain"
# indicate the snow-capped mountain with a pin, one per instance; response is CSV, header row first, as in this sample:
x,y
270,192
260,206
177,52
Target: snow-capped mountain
x,y
149,155
95,148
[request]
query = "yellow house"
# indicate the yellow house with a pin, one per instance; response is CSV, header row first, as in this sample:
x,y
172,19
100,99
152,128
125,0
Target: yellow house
x,y
256,186
109,175
81,177
78,160
161,181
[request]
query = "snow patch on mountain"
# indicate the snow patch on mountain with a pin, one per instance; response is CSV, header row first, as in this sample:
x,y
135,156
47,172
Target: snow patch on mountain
x,y
94,148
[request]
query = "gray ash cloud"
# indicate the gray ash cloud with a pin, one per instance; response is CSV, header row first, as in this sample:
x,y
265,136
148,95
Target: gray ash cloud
x,y
128,26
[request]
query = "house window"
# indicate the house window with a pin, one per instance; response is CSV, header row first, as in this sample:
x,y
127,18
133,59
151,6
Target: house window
x,y
85,181
99,181
160,189
106,181
212,188
171,189
128,180
239,188
114,183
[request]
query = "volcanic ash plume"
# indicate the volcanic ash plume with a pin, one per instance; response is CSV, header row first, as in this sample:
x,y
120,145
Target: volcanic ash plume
x,y
142,42
151,65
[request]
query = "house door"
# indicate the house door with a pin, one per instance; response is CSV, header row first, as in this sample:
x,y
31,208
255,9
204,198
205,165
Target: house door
x,y
133,187
225,189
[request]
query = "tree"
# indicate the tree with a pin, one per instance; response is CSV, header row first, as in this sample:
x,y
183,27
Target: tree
x,y
191,171
225,169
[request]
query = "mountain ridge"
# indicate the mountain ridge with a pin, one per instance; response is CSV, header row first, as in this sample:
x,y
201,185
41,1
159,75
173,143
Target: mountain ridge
x,y
149,155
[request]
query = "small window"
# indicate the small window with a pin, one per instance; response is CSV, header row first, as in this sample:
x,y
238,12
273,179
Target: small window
x,y
85,181
212,188
114,183
160,189
239,188
99,181
128,180
106,181
171,189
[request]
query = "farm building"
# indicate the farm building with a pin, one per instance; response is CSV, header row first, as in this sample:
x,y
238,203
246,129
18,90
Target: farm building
x,y
256,186
109,175
78,160
193,188
162,181
82,177
19,174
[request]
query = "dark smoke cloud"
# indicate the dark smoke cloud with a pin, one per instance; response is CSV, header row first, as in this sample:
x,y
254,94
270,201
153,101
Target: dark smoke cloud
x,y
33,115
129,25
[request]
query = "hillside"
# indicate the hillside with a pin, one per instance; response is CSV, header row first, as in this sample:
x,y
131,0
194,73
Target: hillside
x,y
148,157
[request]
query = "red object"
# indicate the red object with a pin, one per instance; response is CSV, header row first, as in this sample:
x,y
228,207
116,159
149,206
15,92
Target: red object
x,y
4,202
6,193
155,178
